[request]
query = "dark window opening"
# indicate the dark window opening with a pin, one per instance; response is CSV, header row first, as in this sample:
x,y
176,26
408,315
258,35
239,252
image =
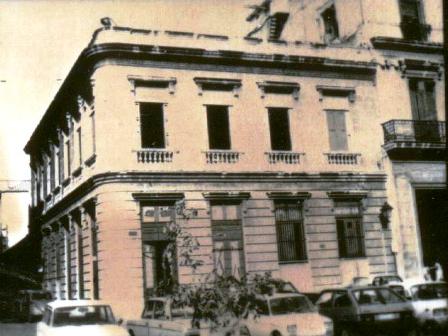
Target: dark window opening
x,y
152,125
350,237
218,127
423,106
276,24
331,30
290,231
279,129
412,24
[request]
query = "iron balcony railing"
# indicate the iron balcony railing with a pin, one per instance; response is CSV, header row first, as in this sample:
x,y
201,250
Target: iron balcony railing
x,y
418,131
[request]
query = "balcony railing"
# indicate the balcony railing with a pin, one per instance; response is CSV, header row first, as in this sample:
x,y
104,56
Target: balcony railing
x,y
343,158
418,131
154,156
221,156
283,157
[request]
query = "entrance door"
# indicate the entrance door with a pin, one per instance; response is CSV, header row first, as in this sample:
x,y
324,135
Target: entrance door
x,y
432,209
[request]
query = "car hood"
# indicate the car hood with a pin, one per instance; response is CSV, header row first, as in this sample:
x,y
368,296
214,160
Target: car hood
x,y
421,306
96,329
307,323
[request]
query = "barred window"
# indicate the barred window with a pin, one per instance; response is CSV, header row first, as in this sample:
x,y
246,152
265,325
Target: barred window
x,y
290,231
350,229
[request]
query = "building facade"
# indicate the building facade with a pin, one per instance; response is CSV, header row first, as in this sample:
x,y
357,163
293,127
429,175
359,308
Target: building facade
x,y
286,147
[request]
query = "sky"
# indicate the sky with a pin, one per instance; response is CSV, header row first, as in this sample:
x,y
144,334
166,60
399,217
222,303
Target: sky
x,y
40,41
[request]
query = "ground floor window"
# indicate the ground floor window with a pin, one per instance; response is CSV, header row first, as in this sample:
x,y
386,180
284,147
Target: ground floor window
x,y
227,233
350,230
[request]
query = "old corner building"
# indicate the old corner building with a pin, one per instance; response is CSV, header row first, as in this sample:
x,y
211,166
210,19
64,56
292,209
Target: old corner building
x,y
312,147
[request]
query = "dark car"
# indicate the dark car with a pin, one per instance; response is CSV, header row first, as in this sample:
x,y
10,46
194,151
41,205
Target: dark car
x,y
30,304
367,310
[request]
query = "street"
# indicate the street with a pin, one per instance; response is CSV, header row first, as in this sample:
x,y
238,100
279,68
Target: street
x,y
17,329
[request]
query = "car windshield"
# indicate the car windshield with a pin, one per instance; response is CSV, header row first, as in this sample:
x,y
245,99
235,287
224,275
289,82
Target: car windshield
x,y
429,291
290,305
83,315
376,296
41,296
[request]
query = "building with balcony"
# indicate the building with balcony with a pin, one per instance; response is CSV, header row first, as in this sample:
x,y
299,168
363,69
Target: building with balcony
x,y
273,142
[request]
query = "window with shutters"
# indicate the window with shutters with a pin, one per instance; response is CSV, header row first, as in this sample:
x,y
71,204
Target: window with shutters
x,y
218,127
337,130
290,231
423,101
158,269
279,129
412,24
152,125
331,29
227,233
349,229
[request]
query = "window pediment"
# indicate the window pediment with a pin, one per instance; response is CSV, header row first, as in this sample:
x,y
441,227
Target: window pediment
x,y
153,82
273,87
218,84
420,69
336,91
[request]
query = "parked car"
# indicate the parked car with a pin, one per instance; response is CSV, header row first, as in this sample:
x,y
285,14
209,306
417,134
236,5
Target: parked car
x,y
430,302
367,310
79,317
30,303
381,280
290,314
162,316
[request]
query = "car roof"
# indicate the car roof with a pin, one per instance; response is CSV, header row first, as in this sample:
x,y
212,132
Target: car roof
x,y
76,303
417,282
280,295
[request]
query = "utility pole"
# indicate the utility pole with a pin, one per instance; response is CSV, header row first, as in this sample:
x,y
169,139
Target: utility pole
x,y
7,187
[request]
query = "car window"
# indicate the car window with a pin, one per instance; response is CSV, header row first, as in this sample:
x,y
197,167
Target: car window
x,y
147,312
291,304
181,311
159,310
367,297
261,306
325,299
343,301
377,296
82,315
41,296
47,316
429,291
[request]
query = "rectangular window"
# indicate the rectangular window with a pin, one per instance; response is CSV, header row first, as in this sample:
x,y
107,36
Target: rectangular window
x,y
78,131
337,130
68,156
152,125
227,234
349,229
92,125
52,167
218,127
412,23
423,102
331,30
290,231
279,129
410,10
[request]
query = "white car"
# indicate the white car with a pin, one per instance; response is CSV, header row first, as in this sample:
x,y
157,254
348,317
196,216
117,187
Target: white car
x,y
430,303
79,317
290,314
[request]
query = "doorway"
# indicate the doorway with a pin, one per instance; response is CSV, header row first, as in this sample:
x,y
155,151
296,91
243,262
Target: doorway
x,y
432,211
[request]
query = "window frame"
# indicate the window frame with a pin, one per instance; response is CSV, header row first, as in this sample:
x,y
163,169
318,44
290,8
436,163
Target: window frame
x,y
342,237
299,235
218,144
287,138
332,142
162,135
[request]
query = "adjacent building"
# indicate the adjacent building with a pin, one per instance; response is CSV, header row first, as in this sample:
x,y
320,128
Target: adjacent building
x,y
288,148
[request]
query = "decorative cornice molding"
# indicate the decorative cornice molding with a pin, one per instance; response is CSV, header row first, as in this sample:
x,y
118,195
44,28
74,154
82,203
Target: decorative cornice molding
x,y
158,196
230,195
392,43
275,87
299,195
332,90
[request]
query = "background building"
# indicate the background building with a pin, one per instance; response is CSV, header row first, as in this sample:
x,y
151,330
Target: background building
x,y
286,146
